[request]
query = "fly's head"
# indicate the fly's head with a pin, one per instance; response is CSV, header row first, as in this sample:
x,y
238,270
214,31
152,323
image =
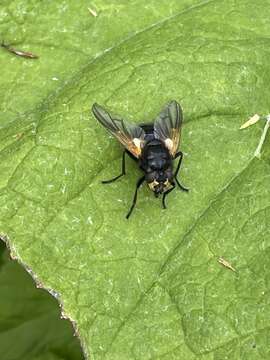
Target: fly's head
x,y
159,182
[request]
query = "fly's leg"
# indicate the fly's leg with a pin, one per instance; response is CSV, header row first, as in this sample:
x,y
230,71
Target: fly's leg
x,y
180,155
139,183
122,173
165,194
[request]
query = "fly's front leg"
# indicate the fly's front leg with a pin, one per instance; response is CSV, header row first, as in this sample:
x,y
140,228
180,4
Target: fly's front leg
x,y
139,183
165,194
180,155
122,173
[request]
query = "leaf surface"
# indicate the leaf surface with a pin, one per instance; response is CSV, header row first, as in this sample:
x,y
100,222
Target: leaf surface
x,y
151,287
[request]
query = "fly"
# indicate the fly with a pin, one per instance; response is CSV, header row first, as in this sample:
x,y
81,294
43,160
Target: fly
x,y
153,146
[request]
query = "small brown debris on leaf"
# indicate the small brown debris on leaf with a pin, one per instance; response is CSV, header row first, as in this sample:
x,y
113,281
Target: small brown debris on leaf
x,y
225,263
251,121
25,54
18,136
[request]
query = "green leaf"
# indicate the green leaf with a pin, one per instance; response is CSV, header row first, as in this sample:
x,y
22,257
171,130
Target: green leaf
x,y
150,287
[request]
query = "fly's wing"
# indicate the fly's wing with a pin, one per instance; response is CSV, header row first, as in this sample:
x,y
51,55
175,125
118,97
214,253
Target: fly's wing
x,y
167,126
129,135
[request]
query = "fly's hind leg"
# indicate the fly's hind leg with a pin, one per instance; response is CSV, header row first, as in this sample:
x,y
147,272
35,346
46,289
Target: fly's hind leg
x,y
180,155
122,173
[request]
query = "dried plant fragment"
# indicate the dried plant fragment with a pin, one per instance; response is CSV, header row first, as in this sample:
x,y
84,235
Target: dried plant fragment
x,y
259,147
21,53
251,121
92,12
226,264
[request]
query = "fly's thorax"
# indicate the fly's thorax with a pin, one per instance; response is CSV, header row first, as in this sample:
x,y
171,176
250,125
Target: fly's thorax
x,y
155,157
156,162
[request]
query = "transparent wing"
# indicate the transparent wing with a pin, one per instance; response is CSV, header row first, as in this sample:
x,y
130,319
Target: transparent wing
x,y
167,126
129,135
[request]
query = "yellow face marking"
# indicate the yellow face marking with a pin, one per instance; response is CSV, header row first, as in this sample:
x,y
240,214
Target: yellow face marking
x,y
152,185
167,185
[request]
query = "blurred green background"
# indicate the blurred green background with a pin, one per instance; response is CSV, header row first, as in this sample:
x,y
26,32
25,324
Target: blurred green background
x,y
30,323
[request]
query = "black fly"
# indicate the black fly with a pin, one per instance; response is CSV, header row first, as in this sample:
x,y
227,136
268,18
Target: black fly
x,y
153,146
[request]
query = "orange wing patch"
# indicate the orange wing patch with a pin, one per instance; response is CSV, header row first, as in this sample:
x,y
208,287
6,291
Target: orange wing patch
x,y
132,145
